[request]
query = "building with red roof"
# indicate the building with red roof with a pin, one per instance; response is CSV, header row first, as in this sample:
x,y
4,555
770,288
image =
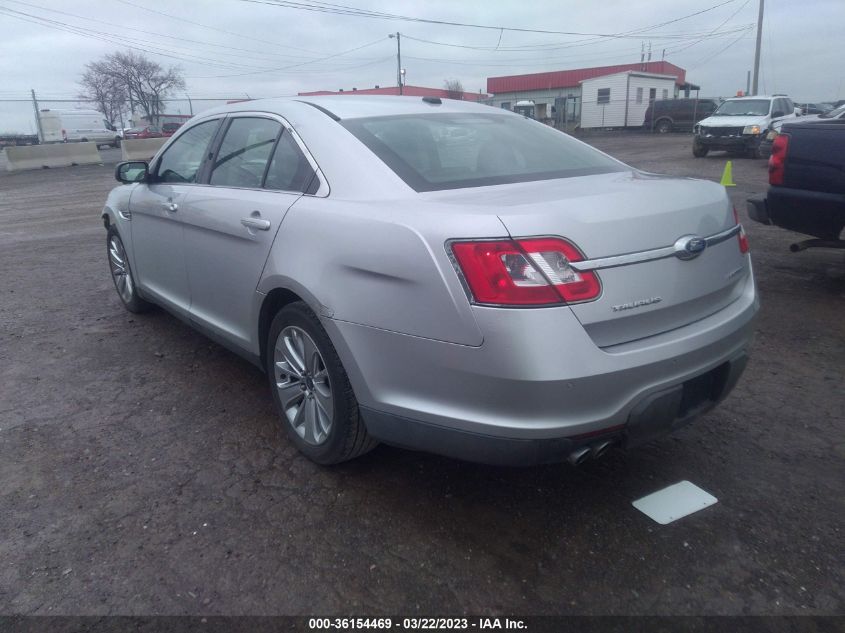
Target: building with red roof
x,y
558,94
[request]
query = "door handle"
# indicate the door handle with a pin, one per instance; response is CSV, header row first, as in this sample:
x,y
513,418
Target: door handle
x,y
170,206
256,223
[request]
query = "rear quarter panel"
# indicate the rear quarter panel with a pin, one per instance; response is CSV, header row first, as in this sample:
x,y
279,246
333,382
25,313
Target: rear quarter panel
x,y
381,264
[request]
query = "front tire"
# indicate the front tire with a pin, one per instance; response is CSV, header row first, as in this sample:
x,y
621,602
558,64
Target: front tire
x,y
311,389
698,150
121,274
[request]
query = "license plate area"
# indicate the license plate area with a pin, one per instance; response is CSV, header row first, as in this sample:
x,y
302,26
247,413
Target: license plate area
x,y
665,411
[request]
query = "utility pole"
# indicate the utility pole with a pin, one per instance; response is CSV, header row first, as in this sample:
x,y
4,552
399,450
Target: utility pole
x,y
398,37
757,49
748,83
37,117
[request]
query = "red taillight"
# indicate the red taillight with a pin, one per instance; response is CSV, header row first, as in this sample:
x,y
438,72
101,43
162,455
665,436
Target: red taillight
x,y
525,272
741,237
777,161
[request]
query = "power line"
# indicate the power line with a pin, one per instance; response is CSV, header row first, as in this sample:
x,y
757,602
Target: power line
x,y
180,38
339,9
214,28
132,43
255,72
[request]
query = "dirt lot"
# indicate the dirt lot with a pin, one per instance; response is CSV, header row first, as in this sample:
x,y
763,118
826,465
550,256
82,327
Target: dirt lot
x,y
144,471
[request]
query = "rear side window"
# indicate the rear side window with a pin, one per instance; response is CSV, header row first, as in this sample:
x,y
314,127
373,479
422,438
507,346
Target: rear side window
x,y
432,152
182,160
290,170
242,158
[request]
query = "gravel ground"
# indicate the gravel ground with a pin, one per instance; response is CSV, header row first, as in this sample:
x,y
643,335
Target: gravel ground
x,y
144,470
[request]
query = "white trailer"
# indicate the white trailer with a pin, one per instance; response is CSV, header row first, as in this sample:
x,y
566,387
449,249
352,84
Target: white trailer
x,y
621,99
67,126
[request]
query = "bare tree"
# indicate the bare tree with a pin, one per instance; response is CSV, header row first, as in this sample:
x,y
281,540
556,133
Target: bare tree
x,y
145,83
454,88
108,93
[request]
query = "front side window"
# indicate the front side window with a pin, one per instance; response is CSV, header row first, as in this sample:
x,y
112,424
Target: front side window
x,y
244,152
432,152
181,162
603,95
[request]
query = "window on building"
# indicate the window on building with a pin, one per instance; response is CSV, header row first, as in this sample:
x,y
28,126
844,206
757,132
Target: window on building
x,y
639,95
665,93
603,95
652,94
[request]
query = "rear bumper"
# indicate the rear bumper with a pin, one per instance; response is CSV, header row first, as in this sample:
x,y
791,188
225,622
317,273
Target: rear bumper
x,y
813,213
538,387
652,417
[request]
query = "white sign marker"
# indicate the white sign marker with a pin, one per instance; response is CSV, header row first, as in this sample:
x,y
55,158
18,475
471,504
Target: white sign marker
x,y
674,502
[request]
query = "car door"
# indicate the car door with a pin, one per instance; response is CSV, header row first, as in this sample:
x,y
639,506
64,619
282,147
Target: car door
x,y
157,234
257,172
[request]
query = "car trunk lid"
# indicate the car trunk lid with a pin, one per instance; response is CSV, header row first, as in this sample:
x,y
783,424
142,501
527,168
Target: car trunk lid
x,y
644,219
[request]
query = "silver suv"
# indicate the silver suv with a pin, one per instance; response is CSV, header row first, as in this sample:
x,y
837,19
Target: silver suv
x,y
439,275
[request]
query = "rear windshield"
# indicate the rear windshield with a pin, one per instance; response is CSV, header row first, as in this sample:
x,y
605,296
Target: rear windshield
x,y
432,152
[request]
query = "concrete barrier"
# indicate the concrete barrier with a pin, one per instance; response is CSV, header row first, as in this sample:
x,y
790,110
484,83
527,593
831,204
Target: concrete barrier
x,y
52,155
141,148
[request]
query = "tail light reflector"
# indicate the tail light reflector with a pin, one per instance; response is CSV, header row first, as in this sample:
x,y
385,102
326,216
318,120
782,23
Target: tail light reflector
x,y
741,236
525,272
777,161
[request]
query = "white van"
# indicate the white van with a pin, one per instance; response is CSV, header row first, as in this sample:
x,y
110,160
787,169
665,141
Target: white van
x,y
65,126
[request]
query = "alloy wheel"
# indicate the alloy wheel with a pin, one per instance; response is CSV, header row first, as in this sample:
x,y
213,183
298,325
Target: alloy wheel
x,y
120,269
303,385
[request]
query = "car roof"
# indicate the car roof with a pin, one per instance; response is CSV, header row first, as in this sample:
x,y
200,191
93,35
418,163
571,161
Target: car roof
x,y
360,106
757,97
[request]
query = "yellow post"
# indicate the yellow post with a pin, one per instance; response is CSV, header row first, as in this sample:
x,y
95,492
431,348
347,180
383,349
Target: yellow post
x,y
727,176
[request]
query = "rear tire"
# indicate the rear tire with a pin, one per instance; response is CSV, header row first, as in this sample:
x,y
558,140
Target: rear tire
x,y
698,150
663,126
311,389
124,281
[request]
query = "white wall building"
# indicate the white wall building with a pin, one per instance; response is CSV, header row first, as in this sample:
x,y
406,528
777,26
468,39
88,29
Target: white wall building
x,y
621,99
557,95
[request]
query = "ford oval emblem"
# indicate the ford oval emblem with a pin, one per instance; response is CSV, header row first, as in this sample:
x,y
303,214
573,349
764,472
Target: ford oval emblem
x,y
689,246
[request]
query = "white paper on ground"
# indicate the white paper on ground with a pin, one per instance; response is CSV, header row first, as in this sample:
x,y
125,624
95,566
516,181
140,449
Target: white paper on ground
x,y
674,502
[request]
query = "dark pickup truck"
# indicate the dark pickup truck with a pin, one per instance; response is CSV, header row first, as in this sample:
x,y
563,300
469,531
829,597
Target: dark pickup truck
x,y
807,178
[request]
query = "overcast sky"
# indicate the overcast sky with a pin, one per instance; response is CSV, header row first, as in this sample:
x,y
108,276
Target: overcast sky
x,y
232,48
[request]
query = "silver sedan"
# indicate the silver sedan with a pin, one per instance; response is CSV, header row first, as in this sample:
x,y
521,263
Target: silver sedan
x,y
439,275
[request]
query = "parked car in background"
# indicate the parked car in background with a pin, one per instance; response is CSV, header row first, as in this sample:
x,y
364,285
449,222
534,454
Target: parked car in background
x,y
168,129
807,190
439,275
739,125
814,108
837,115
145,131
69,126
667,115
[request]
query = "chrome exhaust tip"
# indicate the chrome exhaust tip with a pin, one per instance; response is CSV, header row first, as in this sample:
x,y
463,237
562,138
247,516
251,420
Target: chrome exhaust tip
x,y
579,455
601,448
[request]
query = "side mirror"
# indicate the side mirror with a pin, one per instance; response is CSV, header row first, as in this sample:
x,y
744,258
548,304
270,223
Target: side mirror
x,y
131,171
